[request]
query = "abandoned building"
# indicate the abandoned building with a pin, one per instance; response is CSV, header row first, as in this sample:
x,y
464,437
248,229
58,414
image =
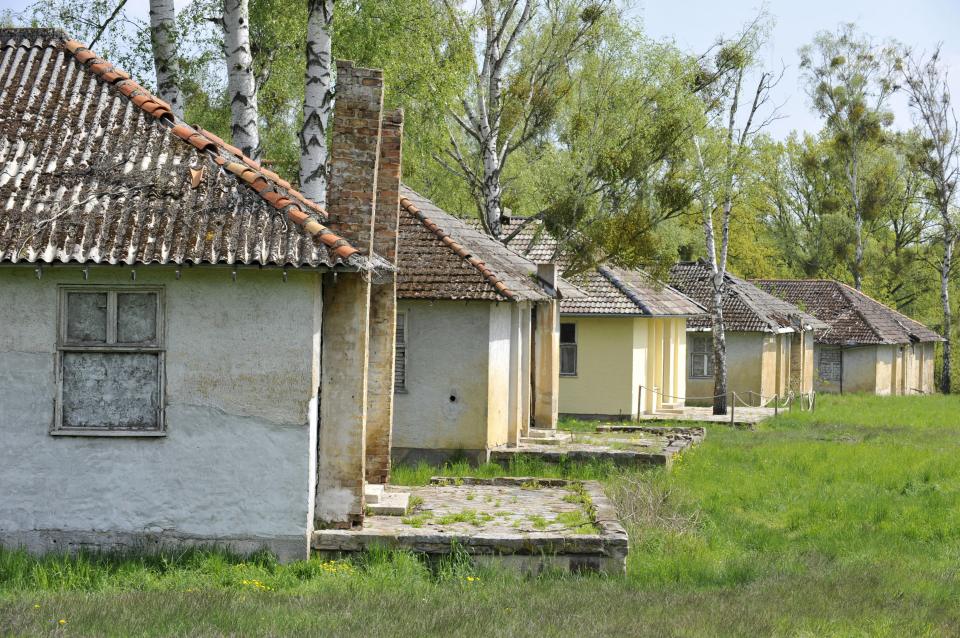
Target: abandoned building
x,y
460,291
866,346
769,341
623,344
173,310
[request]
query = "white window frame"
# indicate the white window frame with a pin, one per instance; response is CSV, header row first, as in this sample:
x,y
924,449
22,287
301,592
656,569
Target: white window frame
x,y
400,355
574,346
707,356
63,346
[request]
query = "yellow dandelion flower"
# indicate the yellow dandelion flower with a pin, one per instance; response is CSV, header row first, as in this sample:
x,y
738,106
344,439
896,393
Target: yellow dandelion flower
x,y
62,621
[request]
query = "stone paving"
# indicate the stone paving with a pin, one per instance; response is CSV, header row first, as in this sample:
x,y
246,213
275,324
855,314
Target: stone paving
x,y
623,445
530,522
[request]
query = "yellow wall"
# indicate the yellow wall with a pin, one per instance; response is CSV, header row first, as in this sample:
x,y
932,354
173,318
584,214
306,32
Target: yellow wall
x,y
605,367
758,364
616,356
887,369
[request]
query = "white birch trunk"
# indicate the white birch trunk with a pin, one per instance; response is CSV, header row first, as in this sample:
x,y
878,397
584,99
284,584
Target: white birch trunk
x,y
163,42
945,266
317,102
241,83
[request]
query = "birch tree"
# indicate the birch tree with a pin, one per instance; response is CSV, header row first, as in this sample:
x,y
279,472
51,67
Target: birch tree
x,y
524,52
163,42
850,81
241,82
317,101
723,153
938,159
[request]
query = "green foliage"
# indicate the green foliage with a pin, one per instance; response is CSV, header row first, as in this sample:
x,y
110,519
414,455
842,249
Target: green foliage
x,y
845,521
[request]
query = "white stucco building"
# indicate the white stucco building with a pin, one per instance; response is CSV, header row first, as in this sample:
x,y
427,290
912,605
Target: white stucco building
x,y
477,339
172,312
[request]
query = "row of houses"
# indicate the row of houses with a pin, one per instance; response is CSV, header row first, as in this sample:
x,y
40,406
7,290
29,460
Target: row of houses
x,y
192,351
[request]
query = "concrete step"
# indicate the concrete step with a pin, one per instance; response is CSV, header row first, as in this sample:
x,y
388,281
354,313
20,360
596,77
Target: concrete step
x,y
665,410
544,436
390,504
372,493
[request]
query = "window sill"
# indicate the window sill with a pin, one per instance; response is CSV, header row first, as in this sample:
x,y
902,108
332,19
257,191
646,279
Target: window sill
x,y
401,391
150,434
709,376
568,376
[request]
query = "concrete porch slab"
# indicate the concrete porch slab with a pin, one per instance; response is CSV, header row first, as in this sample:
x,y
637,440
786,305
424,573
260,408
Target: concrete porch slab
x,y
528,523
743,416
624,445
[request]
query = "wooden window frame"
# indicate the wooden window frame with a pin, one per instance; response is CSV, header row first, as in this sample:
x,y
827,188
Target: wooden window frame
x,y
400,355
574,346
64,346
707,356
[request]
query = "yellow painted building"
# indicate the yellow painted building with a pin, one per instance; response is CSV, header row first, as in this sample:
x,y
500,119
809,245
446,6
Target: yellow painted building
x,y
623,345
866,346
770,342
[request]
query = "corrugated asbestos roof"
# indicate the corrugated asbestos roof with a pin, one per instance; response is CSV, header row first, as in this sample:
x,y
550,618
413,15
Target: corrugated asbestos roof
x,y
443,257
96,170
746,308
852,317
610,290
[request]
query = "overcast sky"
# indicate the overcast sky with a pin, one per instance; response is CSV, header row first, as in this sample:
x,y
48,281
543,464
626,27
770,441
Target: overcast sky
x,y
695,24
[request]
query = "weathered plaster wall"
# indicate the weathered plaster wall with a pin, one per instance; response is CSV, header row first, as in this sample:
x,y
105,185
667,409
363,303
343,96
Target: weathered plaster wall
x,y
445,403
746,366
863,366
605,367
884,369
498,374
237,460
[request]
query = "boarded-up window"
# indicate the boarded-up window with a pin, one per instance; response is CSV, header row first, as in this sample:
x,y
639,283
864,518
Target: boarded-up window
x,y
400,364
830,365
110,361
701,356
568,349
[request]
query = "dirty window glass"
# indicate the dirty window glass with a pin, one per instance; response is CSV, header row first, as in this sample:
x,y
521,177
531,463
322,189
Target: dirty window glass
x,y
568,349
110,390
136,317
87,317
111,358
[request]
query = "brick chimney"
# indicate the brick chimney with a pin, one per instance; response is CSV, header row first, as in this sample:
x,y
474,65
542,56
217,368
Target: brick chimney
x,y
354,153
383,303
350,304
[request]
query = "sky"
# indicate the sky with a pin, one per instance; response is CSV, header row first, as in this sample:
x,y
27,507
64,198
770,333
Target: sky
x,y
695,24
922,24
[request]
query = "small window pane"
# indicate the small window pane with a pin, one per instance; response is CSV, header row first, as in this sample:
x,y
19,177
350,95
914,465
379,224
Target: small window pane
x,y
568,333
87,317
568,359
110,390
136,317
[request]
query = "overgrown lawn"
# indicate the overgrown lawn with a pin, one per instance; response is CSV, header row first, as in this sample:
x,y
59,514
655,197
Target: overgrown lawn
x,y
841,522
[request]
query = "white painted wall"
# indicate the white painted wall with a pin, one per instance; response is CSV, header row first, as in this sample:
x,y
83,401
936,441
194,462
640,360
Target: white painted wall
x,y
236,465
449,346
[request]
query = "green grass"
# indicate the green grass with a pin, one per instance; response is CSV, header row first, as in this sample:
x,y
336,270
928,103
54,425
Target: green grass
x,y
844,522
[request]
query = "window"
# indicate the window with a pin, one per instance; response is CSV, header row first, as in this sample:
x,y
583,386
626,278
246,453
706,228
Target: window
x,y
110,362
568,349
701,356
400,363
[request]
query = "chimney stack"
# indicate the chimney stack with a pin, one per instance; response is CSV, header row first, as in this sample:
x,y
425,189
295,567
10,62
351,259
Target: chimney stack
x,y
354,154
547,274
